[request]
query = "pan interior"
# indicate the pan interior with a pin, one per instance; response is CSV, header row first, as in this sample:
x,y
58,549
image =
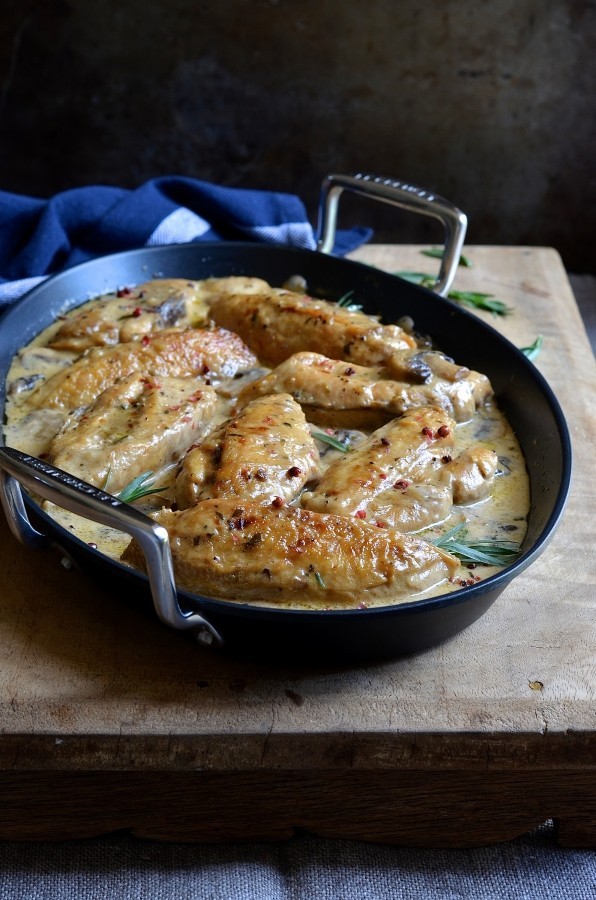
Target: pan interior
x,y
523,394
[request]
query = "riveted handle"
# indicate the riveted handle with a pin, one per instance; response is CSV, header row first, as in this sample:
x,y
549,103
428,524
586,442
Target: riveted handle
x,y
85,500
406,196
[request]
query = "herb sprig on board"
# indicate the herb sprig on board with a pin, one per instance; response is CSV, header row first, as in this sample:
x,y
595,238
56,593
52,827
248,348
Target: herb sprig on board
x,y
437,253
479,300
534,348
474,299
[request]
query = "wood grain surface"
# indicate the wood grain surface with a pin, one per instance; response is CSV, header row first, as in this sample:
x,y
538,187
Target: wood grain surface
x,y
107,718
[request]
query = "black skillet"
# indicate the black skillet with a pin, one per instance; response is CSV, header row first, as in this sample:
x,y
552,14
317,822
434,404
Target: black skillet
x,y
352,635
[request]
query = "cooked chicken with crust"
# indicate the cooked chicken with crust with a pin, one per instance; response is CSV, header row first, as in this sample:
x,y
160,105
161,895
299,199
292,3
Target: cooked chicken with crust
x,y
243,550
472,473
133,312
350,396
265,451
141,423
254,510
208,354
277,323
234,284
404,474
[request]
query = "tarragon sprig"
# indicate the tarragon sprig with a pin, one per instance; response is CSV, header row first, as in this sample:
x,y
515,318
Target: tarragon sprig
x,y
479,300
346,302
344,446
488,553
438,253
475,299
534,348
139,487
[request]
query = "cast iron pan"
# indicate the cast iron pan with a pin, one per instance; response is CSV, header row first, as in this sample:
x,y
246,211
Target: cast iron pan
x,y
353,635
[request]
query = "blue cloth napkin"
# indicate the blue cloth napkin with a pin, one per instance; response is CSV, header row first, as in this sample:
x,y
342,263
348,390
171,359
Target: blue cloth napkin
x,y
41,237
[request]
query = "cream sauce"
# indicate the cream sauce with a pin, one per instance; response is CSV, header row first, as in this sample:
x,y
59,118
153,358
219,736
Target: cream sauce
x,y
501,516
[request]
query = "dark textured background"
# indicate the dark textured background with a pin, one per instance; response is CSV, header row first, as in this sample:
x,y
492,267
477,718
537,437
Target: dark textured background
x,y
492,104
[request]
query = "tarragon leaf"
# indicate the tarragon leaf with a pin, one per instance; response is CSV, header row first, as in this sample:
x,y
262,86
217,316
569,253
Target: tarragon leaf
x,y
422,278
139,487
481,301
333,442
438,253
474,299
488,553
534,348
345,302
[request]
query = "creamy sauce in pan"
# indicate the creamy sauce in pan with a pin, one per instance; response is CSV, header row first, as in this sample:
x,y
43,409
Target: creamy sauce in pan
x,y
501,517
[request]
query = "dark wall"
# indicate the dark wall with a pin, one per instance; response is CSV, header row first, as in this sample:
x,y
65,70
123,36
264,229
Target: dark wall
x,y
491,104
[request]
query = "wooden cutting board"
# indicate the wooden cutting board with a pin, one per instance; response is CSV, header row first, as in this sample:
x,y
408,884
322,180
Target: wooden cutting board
x,y
108,720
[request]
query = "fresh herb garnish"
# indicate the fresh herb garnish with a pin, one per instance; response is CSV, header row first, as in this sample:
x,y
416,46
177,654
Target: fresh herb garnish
x,y
422,278
139,487
489,553
534,349
344,446
437,253
481,301
475,299
319,580
346,302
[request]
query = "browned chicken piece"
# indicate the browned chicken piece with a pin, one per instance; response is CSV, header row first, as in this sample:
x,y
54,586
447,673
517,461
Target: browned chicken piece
x,y
404,474
130,312
252,552
265,451
139,424
277,323
234,284
344,395
472,474
208,354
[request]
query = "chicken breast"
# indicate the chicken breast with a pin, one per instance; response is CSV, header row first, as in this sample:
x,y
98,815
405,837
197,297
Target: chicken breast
x,y
130,312
265,451
404,474
248,551
138,424
333,392
205,353
276,323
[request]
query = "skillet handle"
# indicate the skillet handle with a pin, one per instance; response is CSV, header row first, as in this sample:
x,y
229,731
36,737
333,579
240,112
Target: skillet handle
x,y
406,196
85,500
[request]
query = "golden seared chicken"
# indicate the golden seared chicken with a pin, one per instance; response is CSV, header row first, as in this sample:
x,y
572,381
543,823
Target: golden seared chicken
x,y
472,474
276,323
405,475
333,392
208,354
265,451
132,312
141,423
248,551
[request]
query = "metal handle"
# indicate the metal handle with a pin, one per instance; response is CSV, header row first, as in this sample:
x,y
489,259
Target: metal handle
x,y
406,196
85,500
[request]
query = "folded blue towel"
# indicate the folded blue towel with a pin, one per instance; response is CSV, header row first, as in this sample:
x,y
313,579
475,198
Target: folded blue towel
x,y
41,237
